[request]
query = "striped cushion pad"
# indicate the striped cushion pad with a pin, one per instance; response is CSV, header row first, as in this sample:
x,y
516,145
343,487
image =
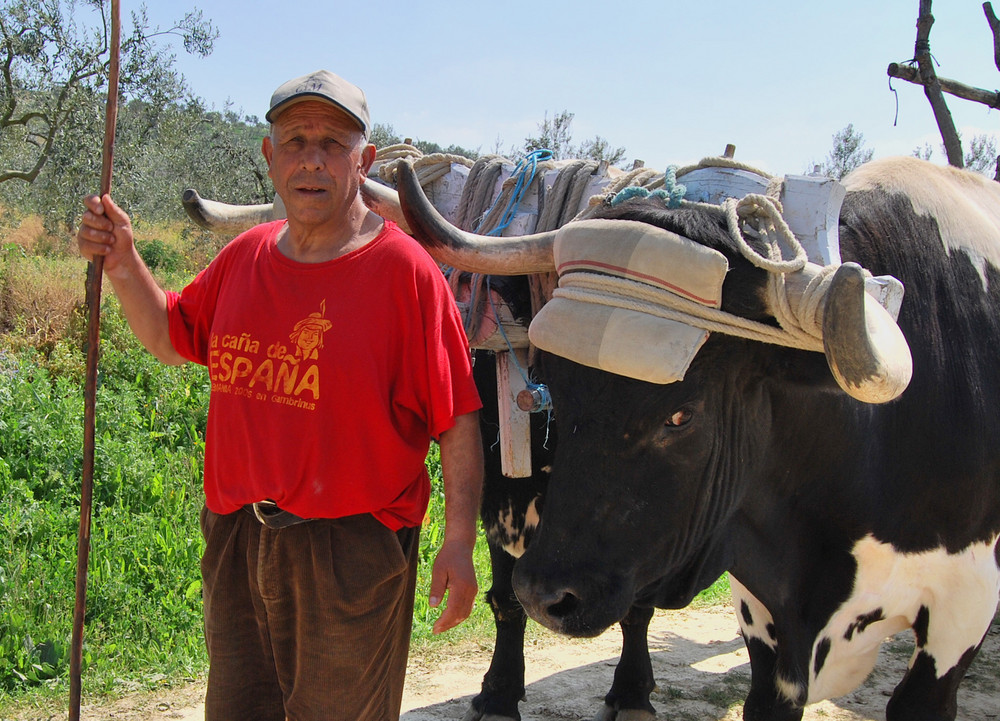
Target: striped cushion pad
x,y
624,341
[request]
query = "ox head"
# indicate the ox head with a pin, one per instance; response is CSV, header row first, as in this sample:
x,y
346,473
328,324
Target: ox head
x,y
647,475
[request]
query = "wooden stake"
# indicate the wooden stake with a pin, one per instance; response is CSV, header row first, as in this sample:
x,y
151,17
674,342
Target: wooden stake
x,y
95,273
991,18
989,98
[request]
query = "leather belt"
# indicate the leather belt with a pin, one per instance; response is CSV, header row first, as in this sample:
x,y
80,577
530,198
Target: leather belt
x,y
268,513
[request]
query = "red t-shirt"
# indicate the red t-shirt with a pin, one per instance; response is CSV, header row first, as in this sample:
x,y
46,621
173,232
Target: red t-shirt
x,y
328,379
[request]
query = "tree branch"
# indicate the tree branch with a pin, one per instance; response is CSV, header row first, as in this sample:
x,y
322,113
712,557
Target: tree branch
x,y
25,119
27,176
995,29
932,87
8,79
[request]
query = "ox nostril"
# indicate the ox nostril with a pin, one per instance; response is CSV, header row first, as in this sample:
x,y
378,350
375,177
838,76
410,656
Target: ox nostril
x,y
565,606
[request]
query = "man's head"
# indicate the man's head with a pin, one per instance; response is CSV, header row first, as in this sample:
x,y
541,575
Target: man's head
x,y
317,152
322,86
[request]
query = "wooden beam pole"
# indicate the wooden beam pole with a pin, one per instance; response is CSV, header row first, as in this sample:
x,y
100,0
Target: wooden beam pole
x,y
989,98
991,18
932,87
515,424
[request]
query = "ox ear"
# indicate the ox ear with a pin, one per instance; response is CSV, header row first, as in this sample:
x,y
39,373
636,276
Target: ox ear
x,y
864,347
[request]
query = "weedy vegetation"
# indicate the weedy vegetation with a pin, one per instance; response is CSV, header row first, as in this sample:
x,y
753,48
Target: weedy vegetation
x,y
143,623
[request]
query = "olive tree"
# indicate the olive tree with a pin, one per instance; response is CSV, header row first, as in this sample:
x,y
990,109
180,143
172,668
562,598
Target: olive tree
x,y
54,63
848,153
555,135
980,155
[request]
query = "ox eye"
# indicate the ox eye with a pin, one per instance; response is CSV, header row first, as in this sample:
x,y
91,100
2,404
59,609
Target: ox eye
x,y
679,418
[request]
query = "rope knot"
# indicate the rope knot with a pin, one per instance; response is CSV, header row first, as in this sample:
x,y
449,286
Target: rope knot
x,y
761,215
795,288
671,194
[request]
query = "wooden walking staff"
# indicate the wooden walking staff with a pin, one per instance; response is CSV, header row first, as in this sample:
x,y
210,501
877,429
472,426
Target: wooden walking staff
x,y
95,273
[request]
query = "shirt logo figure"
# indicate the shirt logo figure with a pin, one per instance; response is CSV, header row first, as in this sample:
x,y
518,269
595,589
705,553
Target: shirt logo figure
x,y
307,336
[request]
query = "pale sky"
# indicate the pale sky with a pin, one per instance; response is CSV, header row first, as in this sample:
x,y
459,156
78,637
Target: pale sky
x,y
670,81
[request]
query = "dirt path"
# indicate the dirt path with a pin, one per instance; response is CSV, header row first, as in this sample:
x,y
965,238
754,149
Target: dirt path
x,y
699,662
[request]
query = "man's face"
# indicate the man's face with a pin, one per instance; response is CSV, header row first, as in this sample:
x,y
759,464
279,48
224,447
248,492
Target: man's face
x,y
317,159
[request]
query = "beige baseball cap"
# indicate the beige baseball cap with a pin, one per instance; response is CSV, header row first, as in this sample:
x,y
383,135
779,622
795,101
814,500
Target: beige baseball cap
x,y
324,86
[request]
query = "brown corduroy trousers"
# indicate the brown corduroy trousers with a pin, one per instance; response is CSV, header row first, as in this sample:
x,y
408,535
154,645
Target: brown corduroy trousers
x,y
310,622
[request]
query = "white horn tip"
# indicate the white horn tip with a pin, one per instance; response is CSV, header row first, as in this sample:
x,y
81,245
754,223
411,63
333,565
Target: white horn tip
x,y
867,353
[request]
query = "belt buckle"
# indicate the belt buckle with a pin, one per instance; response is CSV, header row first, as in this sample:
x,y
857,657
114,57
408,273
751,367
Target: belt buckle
x,y
257,506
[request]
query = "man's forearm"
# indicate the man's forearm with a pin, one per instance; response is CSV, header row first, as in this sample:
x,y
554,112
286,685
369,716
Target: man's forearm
x,y
144,304
462,469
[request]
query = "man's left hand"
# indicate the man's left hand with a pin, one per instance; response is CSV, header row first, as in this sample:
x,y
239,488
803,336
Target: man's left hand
x,y
453,572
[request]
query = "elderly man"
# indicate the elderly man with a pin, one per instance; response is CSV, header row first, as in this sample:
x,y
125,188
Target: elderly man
x,y
335,354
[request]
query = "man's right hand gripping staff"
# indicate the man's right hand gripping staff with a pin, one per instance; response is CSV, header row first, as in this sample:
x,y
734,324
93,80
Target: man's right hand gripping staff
x,y
106,230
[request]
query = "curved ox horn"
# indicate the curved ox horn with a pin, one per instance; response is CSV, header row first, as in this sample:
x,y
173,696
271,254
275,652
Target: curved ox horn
x,y
468,251
226,218
865,349
383,200
223,217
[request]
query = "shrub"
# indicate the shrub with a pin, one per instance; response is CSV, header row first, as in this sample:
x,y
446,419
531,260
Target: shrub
x,y
38,296
158,256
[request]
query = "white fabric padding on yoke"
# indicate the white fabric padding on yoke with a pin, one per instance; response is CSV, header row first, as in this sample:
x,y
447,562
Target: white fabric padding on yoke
x,y
619,339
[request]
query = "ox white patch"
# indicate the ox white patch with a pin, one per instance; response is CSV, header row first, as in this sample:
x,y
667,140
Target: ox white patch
x,y
965,205
956,591
509,533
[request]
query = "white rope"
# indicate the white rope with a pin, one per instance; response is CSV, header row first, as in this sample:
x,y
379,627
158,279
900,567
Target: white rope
x,y
427,167
721,162
637,177
797,311
563,199
642,177
798,315
477,194
443,158
399,150
632,295
764,216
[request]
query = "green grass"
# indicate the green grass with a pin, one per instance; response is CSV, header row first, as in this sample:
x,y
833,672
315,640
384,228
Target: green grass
x,y
718,594
480,623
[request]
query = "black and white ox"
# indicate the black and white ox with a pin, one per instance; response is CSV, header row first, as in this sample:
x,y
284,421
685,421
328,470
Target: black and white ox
x,y
845,508
510,506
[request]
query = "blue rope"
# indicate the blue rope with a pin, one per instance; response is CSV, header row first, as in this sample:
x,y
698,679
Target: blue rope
x,y
671,194
510,347
513,357
525,172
